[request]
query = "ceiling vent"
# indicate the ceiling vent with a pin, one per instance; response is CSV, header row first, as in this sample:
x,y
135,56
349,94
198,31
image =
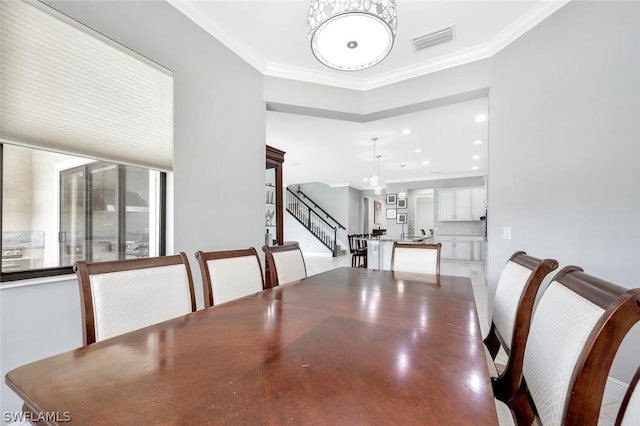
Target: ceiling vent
x,y
431,39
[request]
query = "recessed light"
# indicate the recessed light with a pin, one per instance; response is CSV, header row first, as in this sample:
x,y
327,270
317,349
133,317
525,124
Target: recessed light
x,y
426,163
478,142
365,180
476,157
406,131
474,168
417,150
480,118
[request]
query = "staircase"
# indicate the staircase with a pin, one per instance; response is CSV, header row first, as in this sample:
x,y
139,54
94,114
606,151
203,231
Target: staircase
x,y
317,221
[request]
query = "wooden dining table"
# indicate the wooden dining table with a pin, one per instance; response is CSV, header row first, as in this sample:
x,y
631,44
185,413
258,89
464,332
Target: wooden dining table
x,y
350,346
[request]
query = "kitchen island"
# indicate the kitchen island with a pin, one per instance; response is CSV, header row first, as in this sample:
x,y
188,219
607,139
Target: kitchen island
x,y
379,249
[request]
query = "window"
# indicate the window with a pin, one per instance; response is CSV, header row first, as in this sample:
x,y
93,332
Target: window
x,y
68,94
57,209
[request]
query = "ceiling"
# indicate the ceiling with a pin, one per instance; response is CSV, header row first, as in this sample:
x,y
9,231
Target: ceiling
x,y
272,37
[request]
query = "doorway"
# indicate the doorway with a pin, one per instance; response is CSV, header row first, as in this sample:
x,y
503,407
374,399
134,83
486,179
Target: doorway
x,y
425,218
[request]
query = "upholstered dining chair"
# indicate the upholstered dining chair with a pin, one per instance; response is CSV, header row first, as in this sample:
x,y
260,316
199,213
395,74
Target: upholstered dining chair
x,y
629,414
575,333
285,263
230,274
124,295
513,305
418,258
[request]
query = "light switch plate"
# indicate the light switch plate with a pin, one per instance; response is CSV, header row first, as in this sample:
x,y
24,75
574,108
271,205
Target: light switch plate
x,y
506,232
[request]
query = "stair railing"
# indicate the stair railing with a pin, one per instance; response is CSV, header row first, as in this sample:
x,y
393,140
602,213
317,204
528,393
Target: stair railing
x,y
315,223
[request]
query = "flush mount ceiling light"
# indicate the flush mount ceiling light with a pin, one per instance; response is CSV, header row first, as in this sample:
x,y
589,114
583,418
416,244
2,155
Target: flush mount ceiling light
x,y
351,35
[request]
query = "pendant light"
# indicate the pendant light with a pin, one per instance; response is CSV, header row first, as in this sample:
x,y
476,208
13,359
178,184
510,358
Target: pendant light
x,y
378,188
403,193
374,179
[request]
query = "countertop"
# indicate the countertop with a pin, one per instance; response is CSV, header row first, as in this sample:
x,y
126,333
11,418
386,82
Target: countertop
x,y
399,238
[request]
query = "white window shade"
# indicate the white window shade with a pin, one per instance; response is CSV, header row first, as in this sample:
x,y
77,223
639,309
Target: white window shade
x,y
66,88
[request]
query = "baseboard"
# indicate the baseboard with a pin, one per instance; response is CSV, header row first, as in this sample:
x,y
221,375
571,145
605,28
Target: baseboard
x,y
615,390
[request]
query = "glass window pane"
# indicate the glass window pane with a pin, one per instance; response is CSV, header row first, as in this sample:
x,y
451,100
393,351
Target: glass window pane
x,y
104,217
72,218
58,209
137,219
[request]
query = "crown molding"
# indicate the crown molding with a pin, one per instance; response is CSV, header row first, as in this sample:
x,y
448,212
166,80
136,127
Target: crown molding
x,y
526,22
190,11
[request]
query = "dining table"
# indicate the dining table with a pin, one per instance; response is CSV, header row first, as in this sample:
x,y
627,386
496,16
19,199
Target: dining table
x,y
349,346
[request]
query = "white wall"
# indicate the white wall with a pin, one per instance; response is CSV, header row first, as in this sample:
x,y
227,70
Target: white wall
x,y
219,137
564,148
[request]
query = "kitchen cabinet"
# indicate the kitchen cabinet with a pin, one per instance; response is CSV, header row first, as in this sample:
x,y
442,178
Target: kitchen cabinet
x,y
463,247
455,248
478,203
461,204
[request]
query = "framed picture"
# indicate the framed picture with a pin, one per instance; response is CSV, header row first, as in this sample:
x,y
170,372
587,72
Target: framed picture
x,y
401,218
391,213
377,212
391,198
402,203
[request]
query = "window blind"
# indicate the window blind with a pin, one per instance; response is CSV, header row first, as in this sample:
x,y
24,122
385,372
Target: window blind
x,y
67,88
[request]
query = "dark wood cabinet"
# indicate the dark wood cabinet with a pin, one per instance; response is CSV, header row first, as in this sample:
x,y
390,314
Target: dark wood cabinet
x,y
274,202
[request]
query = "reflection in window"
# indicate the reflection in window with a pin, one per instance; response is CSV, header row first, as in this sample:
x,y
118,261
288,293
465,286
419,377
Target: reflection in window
x,y
58,209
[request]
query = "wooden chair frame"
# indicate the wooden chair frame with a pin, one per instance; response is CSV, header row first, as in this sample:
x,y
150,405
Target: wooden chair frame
x,y
269,250
358,251
84,271
627,397
203,257
507,383
584,397
436,246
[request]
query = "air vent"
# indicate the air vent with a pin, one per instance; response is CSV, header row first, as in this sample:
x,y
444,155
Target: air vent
x,y
431,39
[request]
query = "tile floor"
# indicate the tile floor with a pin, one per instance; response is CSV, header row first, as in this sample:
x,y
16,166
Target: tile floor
x,y
475,271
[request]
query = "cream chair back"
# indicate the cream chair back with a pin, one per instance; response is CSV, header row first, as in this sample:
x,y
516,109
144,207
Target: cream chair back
x,y
575,333
286,263
513,304
125,295
229,275
416,258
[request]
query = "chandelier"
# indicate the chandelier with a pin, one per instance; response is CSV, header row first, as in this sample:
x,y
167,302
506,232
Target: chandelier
x,y
374,179
378,186
351,35
403,193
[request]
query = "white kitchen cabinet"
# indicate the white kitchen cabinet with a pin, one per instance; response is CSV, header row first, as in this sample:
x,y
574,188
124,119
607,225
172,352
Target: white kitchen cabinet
x,y
455,248
461,204
446,202
478,203
463,247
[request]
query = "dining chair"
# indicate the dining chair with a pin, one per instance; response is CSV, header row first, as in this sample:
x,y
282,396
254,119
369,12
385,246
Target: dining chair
x,y
286,263
416,258
358,253
575,333
124,295
513,305
629,414
230,274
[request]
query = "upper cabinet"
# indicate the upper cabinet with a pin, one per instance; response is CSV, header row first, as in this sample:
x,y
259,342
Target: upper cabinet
x,y
461,204
478,203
